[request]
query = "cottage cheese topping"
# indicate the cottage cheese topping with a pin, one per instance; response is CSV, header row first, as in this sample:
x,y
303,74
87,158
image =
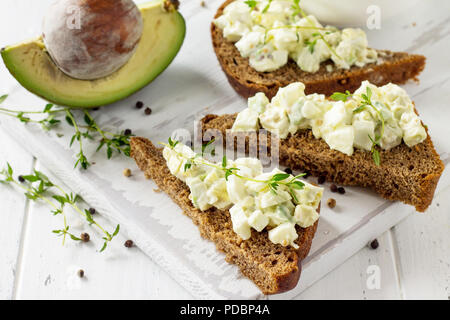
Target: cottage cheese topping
x,y
344,125
274,31
252,204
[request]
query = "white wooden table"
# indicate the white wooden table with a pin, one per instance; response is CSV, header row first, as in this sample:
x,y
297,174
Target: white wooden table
x,y
413,257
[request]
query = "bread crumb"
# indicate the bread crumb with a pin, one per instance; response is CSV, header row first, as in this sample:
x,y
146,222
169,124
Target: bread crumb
x,y
127,173
157,190
203,4
331,203
414,24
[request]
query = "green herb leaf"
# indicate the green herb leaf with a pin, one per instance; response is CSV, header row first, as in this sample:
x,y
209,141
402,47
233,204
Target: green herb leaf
x,y
311,45
60,199
297,185
69,121
116,232
88,119
359,109
294,197
104,246
229,172
369,93
251,3
187,166
3,98
280,176
74,237
48,107
89,217
205,146
172,143
10,170
296,7
109,152
376,156
339,96
266,8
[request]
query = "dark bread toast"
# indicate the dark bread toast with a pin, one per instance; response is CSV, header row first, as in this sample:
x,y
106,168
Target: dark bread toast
x,y
405,174
273,268
396,67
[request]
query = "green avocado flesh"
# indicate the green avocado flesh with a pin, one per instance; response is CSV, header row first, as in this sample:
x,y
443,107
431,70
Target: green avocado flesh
x,y
161,40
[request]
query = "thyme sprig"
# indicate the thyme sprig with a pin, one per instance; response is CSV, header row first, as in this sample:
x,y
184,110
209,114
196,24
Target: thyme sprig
x,y
366,103
272,184
46,123
112,142
37,186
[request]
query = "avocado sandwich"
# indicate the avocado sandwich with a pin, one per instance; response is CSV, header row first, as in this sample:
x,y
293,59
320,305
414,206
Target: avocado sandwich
x,y
265,45
264,222
372,138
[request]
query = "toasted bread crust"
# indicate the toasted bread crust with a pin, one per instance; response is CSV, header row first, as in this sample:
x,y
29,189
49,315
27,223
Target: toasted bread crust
x,y
273,268
397,67
406,174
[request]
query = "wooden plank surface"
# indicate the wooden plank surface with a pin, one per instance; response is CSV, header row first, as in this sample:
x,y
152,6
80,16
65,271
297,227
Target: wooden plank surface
x,y
49,269
13,215
349,280
413,257
423,248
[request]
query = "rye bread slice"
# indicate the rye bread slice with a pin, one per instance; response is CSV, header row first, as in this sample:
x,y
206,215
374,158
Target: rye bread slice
x,y
405,174
272,267
396,67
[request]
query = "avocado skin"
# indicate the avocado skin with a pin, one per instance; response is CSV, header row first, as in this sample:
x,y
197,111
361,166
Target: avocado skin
x,y
39,74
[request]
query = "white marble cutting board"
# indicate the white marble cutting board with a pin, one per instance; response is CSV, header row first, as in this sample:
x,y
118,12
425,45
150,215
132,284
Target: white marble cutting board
x,y
194,85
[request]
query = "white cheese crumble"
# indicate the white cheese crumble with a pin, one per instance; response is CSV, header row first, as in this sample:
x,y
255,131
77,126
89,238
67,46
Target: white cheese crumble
x,y
336,122
273,32
252,204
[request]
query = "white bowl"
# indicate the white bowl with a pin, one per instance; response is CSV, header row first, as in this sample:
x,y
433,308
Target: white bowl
x,y
354,13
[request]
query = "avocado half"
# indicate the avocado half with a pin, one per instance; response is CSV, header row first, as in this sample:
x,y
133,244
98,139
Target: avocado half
x,y
161,40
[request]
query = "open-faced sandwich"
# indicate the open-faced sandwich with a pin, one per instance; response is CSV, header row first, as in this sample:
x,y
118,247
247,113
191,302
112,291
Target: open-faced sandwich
x,y
371,138
263,222
263,45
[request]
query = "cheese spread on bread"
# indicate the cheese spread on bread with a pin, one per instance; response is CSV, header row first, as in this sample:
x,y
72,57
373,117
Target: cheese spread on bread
x,y
343,125
270,33
253,202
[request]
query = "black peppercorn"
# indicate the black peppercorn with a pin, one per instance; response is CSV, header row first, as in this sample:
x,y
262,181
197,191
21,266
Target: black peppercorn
x,y
139,104
129,243
21,179
92,211
288,170
80,273
321,180
341,190
374,244
148,111
127,132
333,188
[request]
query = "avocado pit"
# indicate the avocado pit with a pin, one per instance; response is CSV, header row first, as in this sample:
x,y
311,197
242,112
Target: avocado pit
x,y
91,39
